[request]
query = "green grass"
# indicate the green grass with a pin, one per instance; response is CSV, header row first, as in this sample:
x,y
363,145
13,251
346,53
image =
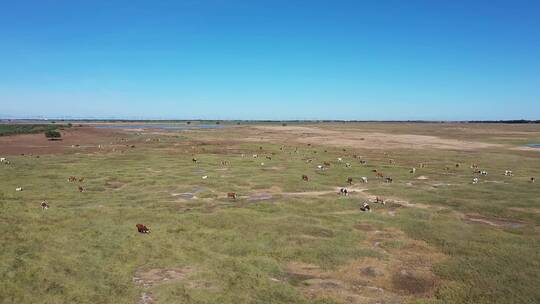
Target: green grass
x,y
14,129
85,249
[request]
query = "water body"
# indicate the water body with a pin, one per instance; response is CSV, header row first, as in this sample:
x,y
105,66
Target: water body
x,y
160,126
534,145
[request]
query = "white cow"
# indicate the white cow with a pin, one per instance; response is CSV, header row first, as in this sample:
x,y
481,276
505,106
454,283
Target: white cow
x,y
339,159
363,179
320,167
508,173
3,159
475,180
205,177
347,165
18,189
483,172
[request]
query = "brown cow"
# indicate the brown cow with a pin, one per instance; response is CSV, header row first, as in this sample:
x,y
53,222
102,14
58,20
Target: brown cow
x,y
349,180
380,200
44,205
231,195
72,179
142,228
326,164
81,179
380,175
81,189
305,178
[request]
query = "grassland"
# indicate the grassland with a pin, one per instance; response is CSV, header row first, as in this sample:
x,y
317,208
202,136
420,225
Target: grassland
x,y
437,240
14,129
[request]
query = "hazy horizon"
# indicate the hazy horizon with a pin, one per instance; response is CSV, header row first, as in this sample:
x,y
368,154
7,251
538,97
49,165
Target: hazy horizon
x,y
278,60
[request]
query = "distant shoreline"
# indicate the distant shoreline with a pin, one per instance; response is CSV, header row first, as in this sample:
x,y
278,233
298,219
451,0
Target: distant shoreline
x,y
232,121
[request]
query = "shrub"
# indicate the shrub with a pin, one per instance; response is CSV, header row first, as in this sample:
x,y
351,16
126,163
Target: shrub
x,y
52,134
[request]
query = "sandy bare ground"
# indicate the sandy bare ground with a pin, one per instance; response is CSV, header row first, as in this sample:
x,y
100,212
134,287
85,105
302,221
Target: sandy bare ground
x,y
359,139
37,144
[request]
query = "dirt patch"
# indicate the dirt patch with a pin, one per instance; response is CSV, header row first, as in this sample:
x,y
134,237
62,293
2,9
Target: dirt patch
x,y
358,139
422,177
75,139
151,277
260,197
404,269
146,298
113,184
185,196
495,222
413,283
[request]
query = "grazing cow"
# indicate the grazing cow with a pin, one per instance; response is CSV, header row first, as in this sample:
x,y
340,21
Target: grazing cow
x,y
142,228
269,157
320,167
362,162
3,159
309,161
380,175
255,155
483,172
391,161
363,179
44,205
388,180
365,207
326,164
231,195
374,170
81,179
349,180
72,179
380,200
18,189
343,191
475,180
532,180
413,170
194,160
339,159
205,177
81,189
474,166
508,173
355,156
422,165
347,165
305,178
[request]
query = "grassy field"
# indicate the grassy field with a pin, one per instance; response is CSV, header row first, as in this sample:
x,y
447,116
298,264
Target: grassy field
x,y
283,240
14,129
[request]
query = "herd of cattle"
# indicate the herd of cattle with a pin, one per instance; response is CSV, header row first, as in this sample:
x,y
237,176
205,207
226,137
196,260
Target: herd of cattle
x,y
343,191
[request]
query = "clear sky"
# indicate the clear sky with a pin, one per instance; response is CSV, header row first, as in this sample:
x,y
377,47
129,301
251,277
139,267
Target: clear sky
x,y
227,59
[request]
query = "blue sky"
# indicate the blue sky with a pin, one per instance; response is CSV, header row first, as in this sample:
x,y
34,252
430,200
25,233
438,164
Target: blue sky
x,y
227,59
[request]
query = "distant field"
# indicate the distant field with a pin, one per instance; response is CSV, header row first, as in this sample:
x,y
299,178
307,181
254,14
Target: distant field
x,y
438,239
13,129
